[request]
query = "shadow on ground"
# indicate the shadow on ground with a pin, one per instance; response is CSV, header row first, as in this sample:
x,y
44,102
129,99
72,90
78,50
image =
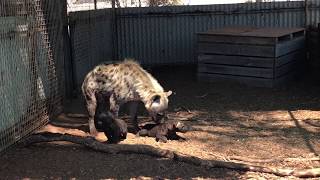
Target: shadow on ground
x,y
70,161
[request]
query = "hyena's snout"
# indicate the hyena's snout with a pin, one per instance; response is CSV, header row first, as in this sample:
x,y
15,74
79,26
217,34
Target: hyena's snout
x,y
123,136
160,117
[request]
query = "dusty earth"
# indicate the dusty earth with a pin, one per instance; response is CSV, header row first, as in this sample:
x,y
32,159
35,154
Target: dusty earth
x,y
235,121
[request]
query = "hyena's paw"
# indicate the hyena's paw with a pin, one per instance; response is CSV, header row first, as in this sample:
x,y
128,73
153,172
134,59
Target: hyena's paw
x,y
182,139
134,130
93,132
142,132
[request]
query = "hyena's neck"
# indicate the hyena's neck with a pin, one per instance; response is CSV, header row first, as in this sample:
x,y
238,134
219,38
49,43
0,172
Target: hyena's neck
x,y
145,93
146,85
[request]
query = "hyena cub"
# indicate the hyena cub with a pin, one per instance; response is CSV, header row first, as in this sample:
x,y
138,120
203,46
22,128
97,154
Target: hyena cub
x,y
126,81
164,131
114,129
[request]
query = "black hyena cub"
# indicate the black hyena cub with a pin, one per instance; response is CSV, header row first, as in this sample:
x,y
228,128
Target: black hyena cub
x,y
164,131
115,129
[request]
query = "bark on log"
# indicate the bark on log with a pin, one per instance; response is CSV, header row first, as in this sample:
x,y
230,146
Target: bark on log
x,y
254,160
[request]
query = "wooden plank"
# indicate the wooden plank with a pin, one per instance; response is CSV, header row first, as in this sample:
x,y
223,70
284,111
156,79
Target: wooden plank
x,y
287,68
251,35
275,32
236,70
251,81
230,31
300,54
247,31
236,49
315,54
237,60
237,39
313,34
289,46
314,41
299,33
248,39
285,79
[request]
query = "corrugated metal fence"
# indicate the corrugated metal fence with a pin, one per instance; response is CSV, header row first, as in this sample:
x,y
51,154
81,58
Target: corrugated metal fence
x,y
166,35
313,13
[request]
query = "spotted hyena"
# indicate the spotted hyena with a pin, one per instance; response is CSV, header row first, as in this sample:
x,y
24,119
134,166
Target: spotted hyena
x,y
125,81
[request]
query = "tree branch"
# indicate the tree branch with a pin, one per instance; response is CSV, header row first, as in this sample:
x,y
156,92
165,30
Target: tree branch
x,y
87,141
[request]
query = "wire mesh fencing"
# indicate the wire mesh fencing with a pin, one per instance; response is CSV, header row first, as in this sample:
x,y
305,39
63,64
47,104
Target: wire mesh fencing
x,y
29,87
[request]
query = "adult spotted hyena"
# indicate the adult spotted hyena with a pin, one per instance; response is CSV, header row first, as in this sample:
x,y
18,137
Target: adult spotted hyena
x,y
126,81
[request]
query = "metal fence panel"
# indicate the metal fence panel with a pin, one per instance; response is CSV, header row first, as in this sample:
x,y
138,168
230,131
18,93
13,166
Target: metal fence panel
x,y
55,19
28,81
91,40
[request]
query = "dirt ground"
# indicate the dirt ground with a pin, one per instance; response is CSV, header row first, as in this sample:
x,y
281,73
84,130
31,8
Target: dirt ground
x,y
235,120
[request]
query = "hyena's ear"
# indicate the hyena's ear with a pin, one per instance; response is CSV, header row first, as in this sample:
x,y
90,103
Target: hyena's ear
x,y
168,93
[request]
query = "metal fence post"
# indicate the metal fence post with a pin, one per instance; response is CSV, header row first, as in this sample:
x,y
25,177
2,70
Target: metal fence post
x,y
306,13
114,31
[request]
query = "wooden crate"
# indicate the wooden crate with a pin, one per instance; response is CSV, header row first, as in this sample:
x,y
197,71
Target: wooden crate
x,y
255,56
313,35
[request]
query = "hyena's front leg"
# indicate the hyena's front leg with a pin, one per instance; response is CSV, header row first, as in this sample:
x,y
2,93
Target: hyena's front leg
x,y
161,138
133,109
91,103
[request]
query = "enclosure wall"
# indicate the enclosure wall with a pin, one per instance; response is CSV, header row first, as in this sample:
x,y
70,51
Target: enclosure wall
x,y
166,35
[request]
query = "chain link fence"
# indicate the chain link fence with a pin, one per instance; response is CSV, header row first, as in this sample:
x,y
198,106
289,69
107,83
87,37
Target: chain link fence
x,y
29,88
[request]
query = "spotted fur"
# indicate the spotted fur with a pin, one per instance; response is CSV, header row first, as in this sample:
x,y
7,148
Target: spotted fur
x,y
125,81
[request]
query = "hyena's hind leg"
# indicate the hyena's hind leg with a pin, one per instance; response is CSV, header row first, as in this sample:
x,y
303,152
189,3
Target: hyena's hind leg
x,y
91,104
133,110
114,106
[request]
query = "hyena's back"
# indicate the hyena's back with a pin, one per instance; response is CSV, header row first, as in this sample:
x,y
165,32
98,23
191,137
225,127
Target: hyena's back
x,y
126,80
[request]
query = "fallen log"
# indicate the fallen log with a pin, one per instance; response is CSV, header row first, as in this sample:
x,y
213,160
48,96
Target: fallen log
x,y
52,134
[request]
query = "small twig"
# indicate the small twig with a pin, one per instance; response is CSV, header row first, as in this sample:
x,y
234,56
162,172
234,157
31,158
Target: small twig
x,y
178,118
252,160
186,109
76,115
302,159
237,158
202,96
